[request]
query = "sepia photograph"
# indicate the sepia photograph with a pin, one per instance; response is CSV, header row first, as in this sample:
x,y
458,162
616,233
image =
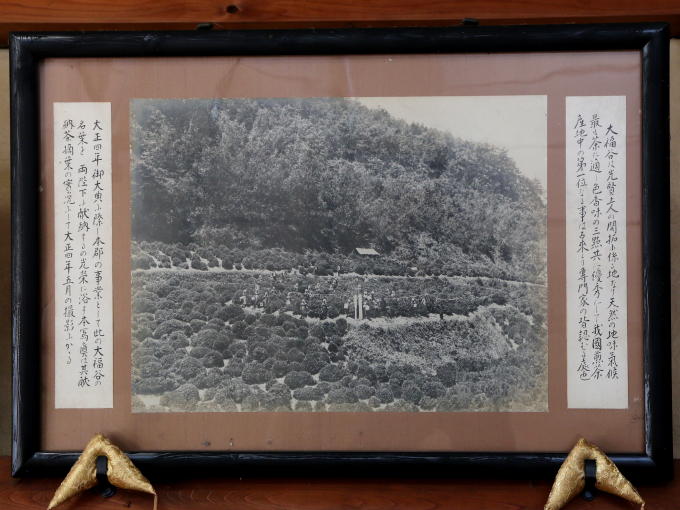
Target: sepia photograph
x,y
366,254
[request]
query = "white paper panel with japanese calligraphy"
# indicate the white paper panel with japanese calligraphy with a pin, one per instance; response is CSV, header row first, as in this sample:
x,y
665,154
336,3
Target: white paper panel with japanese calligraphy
x,y
597,362
82,236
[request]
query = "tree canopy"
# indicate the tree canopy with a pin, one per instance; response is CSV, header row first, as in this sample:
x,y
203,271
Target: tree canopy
x,y
326,174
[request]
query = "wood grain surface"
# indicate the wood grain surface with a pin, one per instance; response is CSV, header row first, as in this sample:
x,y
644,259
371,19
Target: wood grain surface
x,y
322,494
186,14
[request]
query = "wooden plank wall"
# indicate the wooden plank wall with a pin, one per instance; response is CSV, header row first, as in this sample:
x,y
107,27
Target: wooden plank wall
x,y
228,14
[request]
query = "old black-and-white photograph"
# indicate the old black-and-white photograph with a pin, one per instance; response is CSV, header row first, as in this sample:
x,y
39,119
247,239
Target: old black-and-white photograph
x,y
339,254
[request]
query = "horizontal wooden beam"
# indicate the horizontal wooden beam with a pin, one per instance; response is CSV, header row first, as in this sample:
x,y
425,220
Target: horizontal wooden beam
x,y
20,15
229,11
228,491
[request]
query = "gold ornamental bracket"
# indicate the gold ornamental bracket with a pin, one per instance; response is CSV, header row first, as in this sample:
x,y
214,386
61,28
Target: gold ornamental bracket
x,y
120,472
571,478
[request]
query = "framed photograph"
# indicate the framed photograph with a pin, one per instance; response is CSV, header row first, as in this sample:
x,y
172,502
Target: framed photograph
x,y
381,251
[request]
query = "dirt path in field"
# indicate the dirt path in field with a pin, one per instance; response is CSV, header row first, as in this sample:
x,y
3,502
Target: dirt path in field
x,y
376,322
295,272
396,322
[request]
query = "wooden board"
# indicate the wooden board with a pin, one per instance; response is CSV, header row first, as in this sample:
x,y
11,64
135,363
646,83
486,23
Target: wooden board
x,y
229,14
337,494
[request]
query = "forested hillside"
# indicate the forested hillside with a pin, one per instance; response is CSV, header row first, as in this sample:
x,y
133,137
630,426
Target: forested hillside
x,y
248,293
328,175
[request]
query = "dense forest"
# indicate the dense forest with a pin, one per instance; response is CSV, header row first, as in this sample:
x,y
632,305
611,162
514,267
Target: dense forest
x,y
328,175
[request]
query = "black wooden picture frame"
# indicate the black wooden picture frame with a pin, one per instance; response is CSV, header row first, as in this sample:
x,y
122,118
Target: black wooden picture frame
x,y
29,49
